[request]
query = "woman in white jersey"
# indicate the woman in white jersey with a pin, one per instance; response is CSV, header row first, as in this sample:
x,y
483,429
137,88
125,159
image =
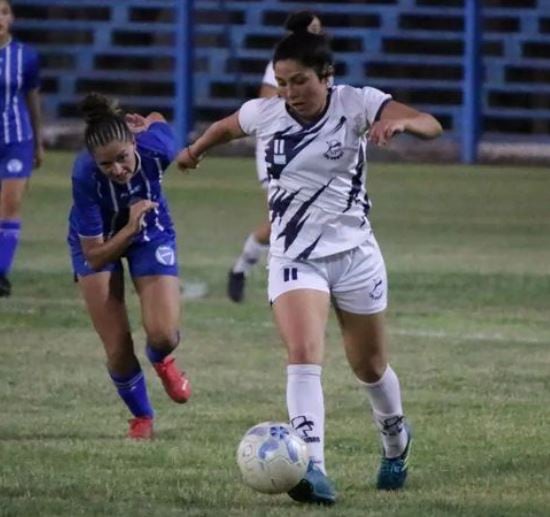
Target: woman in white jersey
x,y
322,246
257,242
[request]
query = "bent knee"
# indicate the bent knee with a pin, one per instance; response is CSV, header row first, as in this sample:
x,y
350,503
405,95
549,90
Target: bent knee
x,y
162,338
370,371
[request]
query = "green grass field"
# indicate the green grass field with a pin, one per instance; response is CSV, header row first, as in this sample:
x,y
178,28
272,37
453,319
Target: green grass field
x,y
468,255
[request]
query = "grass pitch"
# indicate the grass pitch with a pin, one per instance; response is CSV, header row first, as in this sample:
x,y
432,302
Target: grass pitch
x,y
468,256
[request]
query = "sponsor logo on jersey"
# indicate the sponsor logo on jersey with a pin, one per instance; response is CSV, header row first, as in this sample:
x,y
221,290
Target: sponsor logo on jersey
x,y
165,255
334,151
14,166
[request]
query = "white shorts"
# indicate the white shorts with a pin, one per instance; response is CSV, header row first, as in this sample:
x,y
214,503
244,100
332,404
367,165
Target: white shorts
x,y
356,279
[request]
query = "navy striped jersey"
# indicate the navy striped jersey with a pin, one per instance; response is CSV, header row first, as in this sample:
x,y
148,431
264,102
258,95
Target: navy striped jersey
x,y
101,206
317,198
19,73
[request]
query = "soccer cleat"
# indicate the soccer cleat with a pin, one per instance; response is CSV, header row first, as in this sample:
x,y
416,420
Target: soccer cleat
x,y
175,383
5,286
141,428
315,488
235,286
393,471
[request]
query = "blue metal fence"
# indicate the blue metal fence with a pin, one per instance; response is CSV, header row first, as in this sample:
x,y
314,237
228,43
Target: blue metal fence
x,y
412,48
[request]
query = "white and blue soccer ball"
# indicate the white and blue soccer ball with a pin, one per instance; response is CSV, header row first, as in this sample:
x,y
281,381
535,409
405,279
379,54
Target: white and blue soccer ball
x,y
272,457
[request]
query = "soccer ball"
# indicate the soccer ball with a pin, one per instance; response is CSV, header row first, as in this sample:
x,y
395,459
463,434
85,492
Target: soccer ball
x,y
272,457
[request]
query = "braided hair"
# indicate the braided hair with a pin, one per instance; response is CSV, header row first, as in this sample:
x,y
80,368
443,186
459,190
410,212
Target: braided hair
x,y
104,122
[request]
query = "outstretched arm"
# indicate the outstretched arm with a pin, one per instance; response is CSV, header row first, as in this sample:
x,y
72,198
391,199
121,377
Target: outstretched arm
x,y
218,133
399,118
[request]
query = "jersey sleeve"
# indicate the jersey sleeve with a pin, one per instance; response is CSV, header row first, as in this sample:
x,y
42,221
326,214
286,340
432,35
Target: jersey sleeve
x,y
249,116
31,70
160,139
86,209
373,102
269,75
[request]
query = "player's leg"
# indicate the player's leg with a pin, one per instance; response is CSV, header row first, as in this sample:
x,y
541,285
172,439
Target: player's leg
x,y
360,299
11,200
255,247
159,297
256,244
301,314
103,294
154,270
15,169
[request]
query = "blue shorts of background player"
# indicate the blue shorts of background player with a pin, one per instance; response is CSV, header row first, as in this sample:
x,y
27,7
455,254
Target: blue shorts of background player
x,y
17,160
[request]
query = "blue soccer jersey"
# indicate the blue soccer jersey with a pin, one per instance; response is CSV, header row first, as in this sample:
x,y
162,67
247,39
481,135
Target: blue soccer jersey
x,y
19,73
101,206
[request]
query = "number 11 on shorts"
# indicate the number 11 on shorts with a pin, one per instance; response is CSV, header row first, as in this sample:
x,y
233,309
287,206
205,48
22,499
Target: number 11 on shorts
x,y
290,273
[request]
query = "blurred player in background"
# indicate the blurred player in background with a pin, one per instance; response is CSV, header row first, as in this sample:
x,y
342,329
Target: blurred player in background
x,y
257,243
20,136
119,211
322,247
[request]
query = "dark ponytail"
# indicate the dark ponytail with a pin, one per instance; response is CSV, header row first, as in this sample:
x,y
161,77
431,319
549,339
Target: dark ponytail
x,y
104,122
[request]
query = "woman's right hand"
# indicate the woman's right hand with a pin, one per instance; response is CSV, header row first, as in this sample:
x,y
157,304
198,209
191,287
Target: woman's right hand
x,y
186,160
137,213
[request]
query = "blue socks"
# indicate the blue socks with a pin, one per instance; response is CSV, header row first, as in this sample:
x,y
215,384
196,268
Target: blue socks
x,y
10,229
155,355
133,391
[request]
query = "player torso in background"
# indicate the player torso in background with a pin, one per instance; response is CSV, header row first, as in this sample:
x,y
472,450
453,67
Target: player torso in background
x,y
108,201
317,197
19,73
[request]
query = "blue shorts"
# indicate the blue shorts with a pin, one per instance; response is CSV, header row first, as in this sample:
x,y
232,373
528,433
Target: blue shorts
x,y
159,257
16,160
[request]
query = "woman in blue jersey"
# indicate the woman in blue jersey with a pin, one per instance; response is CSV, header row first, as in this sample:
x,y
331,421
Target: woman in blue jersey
x,y
119,211
322,247
20,138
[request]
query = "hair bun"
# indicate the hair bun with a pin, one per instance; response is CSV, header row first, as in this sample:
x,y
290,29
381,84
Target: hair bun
x,y
300,21
96,107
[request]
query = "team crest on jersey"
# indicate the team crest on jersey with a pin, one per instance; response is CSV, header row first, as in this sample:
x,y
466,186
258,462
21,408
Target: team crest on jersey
x,y
14,166
165,255
334,151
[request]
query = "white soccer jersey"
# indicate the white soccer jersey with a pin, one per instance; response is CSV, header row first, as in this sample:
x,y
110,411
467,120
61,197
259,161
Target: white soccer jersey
x,y
317,198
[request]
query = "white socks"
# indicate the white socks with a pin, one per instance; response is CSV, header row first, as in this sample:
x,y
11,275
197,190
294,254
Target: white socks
x,y
252,252
385,399
306,408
